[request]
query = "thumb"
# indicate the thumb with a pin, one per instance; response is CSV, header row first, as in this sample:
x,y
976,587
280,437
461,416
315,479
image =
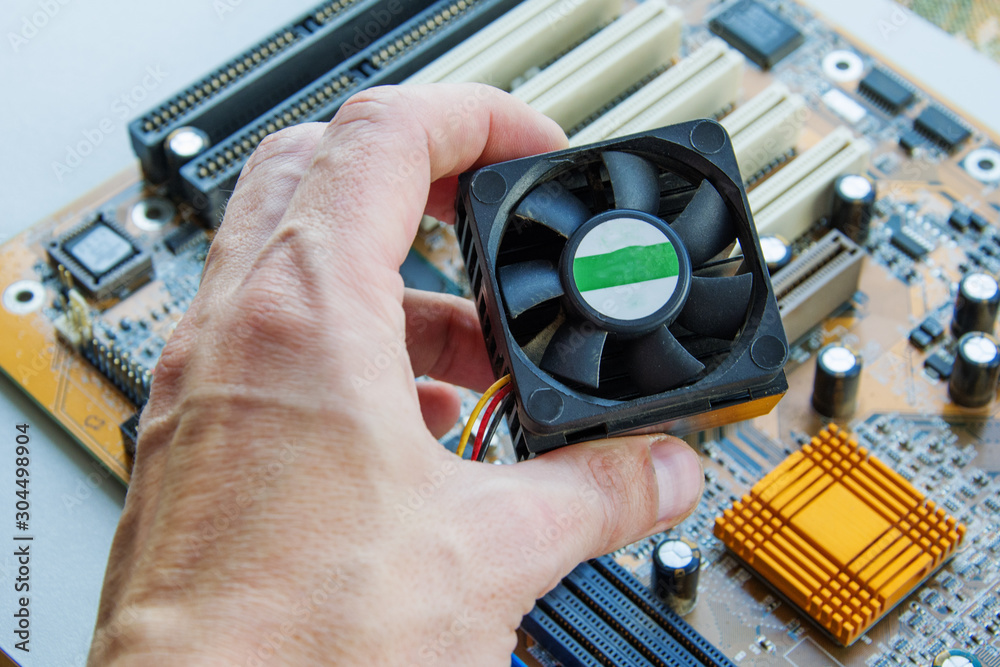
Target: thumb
x,y
593,498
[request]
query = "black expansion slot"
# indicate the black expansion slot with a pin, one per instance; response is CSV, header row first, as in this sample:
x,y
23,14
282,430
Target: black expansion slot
x,y
208,180
265,74
601,596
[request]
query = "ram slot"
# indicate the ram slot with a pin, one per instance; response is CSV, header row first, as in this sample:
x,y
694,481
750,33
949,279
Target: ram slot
x,y
817,283
699,86
790,201
639,43
209,179
262,76
766,128
530,35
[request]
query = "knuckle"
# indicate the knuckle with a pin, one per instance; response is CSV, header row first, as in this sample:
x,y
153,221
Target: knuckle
x,y
274,147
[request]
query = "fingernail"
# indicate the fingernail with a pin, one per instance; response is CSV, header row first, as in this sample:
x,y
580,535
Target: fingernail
x,y
679,477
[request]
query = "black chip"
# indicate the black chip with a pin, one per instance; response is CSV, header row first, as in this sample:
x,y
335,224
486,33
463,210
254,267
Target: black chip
x,y
975,256
130,433
762,36
885,90
959,219
182,236
909,245
932,328
978,222
938,126
911,140
102,258
940,365
920,339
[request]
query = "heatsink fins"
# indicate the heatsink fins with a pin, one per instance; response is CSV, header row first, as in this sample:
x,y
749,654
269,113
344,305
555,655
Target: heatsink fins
x,y
765,128
789,202
577,85
530,35
701,85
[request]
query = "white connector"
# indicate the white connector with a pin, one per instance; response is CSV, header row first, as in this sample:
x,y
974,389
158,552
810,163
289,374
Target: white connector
x,y
788,203
606,65
765,128
530,35
699,86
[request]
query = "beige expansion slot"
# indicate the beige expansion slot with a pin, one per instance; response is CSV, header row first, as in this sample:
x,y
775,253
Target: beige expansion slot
x,y
530,35
699,86
789,202
606,65
765,128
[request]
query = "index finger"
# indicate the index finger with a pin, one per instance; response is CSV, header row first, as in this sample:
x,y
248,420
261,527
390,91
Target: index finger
x,y
371,174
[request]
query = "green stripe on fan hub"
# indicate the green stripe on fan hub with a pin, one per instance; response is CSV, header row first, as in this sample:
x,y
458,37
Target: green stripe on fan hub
x,y
626,268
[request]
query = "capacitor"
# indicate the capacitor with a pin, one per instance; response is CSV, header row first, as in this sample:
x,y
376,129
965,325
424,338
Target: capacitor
x,y
976,304
777,253
676,563
974,377
185,144
835,387
853,204
956,657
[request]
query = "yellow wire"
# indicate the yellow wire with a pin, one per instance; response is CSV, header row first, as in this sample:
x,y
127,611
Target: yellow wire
x,y
467,431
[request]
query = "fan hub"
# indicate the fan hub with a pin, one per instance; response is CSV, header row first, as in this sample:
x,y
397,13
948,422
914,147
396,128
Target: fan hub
x,y
626,272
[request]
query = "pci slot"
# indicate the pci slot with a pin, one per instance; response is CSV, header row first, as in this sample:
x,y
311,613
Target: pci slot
x,y
766,128
530,35
700,86
600,612
264,75
639,43
209,179
790,201
817,282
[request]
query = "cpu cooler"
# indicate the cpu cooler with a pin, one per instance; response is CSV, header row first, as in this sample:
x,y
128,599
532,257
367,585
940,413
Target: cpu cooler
x,y
607,288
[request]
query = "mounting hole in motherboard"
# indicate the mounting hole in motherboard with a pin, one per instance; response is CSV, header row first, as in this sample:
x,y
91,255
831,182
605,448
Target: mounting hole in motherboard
x,y
983,164
23,297
152,213
843,66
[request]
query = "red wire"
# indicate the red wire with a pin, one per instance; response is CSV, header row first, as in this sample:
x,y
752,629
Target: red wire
x,y
490,409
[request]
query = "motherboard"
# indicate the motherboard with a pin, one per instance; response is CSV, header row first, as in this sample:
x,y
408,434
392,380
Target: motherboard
x,y
878,210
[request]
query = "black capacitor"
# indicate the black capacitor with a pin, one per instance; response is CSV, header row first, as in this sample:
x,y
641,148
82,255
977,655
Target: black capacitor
x,y
835,387
974,376
853,205
976,304
676,563
777,253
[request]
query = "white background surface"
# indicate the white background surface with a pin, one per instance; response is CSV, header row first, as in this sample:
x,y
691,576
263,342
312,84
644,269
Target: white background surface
x,y
84,66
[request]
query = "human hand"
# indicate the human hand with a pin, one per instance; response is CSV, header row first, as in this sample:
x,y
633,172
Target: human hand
x,y
288,508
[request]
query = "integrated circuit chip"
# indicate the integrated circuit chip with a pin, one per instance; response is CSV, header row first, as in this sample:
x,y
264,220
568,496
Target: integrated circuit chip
x,y
885,90
941,128
839,534
101,257
763,36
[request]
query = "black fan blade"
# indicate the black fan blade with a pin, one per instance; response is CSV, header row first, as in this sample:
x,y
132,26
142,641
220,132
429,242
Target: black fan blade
x,y
705,226
716,307
574,353
554,206
634,181
658,362
526,284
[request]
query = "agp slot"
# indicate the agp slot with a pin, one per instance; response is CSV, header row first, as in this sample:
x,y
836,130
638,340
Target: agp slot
x,y
209,179
601,594
262,76
817,282
789,202
530,35
639,43
700,86
765,128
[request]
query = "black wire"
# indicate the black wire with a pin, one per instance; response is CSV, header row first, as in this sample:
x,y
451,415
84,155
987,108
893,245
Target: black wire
x,y
498,416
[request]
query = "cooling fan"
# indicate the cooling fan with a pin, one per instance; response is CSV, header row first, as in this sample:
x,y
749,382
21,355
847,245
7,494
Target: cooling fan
x,y
606,288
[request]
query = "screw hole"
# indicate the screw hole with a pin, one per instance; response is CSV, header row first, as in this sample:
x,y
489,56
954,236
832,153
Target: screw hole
x,y
986,164
24,296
